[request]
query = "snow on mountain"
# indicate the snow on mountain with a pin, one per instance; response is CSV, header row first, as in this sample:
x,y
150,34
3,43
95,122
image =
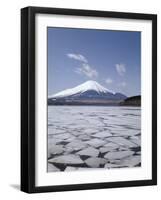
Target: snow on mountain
x,y
80,89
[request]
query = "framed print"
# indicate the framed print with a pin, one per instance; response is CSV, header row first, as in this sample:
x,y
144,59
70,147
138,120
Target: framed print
x,y
88,99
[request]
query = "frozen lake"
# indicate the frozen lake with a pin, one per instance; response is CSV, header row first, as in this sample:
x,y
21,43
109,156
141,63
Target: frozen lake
x,y
82,137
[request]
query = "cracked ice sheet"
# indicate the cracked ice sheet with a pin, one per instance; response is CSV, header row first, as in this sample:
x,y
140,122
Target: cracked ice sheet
x,y
74,128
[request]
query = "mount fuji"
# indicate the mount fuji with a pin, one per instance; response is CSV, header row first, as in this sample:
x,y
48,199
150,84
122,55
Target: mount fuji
x,y
88,93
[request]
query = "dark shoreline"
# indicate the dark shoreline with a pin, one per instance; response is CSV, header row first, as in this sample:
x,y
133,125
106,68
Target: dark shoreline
x,y
94,105
130,101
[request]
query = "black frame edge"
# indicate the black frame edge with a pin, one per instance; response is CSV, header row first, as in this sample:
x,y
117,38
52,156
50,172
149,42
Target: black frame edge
x,y
28,99
93,186
24,100
154,99
95,13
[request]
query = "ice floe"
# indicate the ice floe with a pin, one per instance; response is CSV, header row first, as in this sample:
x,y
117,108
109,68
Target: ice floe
x,y
95,162
66,159
93,137
95,142
90,151
118,155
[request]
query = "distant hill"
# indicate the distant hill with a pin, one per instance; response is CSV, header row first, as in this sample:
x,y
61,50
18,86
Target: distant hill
x,y
131,101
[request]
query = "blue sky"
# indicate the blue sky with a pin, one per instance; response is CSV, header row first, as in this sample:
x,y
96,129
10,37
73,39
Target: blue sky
x,y
112,58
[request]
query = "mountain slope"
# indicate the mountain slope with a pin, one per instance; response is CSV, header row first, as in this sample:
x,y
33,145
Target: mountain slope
x,y
87,86
89,92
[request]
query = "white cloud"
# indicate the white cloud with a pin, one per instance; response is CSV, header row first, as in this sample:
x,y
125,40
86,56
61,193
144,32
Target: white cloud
x,y
122,84
120,69
108,80
78,57
87,70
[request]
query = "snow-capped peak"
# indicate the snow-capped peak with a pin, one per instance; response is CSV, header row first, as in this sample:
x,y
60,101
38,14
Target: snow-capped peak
x,y
93,85
88,85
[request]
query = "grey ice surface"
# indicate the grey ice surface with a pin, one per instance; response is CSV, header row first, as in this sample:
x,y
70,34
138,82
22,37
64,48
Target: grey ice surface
x,y
90,151
90,137
66,159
